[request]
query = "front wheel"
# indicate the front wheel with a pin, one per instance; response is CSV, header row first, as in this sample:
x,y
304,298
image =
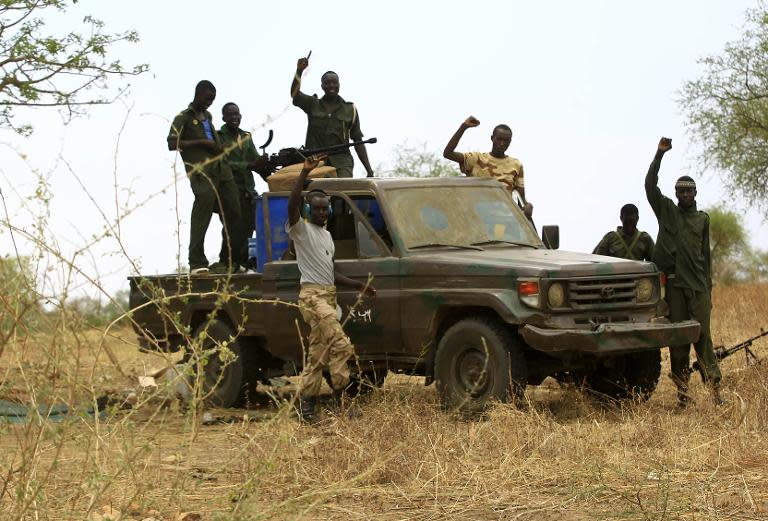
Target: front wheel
x,y
478,361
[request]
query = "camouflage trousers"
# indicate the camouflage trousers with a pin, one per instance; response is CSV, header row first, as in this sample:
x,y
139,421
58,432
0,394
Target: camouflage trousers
x,y
329,346
687,304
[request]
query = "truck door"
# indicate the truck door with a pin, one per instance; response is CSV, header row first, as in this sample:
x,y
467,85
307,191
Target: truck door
x,y
363,250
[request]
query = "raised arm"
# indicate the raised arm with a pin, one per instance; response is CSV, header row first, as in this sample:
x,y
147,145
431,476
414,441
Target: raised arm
x,y
294,200
301,65
450,149
652,192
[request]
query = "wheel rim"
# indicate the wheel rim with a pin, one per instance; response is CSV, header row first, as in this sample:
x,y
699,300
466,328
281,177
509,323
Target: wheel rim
x,y
472,371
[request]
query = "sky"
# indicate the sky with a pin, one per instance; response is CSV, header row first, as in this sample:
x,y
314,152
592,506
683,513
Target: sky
x,y
588,88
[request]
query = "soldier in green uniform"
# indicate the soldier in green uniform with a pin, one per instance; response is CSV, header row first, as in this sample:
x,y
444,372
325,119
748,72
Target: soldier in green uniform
x,y
243,160
682,252
627,242
193,135
331,121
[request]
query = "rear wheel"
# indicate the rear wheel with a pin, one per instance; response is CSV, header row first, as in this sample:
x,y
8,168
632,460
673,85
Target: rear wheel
x,y
630,376
222,378
478,361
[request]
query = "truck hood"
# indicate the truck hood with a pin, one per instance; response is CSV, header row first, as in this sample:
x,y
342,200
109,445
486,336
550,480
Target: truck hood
x,y
524,262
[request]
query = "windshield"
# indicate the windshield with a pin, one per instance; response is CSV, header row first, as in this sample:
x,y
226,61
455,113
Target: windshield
x,y
458,215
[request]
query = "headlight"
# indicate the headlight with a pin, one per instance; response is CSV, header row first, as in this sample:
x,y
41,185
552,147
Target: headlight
x,y
644,290
556,295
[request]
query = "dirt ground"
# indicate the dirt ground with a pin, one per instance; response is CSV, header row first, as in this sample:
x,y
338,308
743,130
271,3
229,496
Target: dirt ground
x,y
568,456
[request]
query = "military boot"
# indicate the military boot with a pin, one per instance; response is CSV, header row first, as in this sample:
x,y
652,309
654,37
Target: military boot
x,y
717,396
307,409
683,395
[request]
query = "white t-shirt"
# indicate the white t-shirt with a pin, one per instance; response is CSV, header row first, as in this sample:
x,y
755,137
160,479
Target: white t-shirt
x,y
314,252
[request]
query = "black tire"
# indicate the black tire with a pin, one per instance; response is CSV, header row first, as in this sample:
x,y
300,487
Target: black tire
x,y
222,383
252,375
470,373
630,376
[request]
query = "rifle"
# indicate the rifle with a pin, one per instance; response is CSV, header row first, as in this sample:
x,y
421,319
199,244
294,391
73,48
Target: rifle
x,y
293,155
722,352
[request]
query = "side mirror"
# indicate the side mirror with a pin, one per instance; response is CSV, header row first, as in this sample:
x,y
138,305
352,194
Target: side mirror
x,y
550,235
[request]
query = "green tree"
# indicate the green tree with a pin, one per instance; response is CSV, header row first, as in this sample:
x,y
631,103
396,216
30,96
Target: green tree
x,y
71,70
727,111
727,242
733,259
417,161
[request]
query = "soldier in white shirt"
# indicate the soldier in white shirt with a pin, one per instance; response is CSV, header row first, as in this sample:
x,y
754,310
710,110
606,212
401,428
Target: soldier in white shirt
x,y
329,346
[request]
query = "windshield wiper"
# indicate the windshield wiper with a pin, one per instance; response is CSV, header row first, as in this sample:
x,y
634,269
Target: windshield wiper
x,y
434,244
499,241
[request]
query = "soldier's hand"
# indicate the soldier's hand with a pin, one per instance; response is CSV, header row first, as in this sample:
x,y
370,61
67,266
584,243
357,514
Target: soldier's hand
x,y
665,145
370,291
302,64
311,162
262,165
471,121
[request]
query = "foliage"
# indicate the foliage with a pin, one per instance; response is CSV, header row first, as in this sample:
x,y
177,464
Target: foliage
x,y
19,303
727,111
417,161
727,239
70,70
733,259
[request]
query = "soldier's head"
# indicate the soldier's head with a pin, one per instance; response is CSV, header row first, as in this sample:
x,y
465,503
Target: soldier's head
x,y
205,93
685,190
319,203
329,82
230,113
629,216
500,139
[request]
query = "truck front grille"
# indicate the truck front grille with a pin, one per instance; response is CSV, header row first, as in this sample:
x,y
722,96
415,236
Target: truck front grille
x,y
601,293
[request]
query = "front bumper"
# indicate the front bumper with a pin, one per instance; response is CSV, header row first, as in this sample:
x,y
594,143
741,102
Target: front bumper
x,y
613,338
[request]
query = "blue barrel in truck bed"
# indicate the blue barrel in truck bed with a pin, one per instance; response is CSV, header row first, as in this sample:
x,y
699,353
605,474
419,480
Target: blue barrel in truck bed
x,y
271,238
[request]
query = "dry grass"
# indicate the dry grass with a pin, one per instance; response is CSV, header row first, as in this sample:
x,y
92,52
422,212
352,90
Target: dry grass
x,y
567,457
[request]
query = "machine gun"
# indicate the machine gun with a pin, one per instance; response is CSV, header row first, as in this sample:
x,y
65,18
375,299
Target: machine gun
x,y
291,156
724,352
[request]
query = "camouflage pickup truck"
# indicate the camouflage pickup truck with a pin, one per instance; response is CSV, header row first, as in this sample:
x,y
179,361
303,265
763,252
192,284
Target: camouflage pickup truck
x,y
468,297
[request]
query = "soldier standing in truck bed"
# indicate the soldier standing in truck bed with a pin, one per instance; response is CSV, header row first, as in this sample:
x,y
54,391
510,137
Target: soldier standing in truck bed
x,y
627,242
682,252
330,121
495,164
193,135
242,158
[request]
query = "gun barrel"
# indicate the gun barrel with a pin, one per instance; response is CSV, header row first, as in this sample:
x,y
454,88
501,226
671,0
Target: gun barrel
x,y
335,148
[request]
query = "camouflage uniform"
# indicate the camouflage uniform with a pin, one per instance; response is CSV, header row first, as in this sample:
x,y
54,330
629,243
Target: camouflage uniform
x,y
617,244
506,170
682,252
240,153
329,346
211,181
326,128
